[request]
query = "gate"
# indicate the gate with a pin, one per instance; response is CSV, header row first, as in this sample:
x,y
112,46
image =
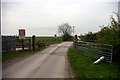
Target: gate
x,y
8,43
94,50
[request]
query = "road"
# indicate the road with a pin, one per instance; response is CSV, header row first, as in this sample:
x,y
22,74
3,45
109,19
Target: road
x,y
49,63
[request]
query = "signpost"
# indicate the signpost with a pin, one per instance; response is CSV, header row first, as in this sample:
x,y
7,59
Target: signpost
x,y
21,33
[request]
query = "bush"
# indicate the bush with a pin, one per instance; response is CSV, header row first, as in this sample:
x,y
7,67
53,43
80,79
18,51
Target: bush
x,y
67,37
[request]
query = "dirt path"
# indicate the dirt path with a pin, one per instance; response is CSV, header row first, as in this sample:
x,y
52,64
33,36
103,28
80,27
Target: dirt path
x,y
49,63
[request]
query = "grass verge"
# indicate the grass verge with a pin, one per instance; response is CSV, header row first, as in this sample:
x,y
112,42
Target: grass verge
x,y
84,68
12,55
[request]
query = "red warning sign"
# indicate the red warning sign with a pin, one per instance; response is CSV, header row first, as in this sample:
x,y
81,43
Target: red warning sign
x,y
21,33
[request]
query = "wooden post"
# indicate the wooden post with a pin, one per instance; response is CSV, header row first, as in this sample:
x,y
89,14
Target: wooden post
x,y
33,43
22,44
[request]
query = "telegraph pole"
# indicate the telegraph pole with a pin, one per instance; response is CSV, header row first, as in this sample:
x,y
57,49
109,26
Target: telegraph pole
x,y
118,12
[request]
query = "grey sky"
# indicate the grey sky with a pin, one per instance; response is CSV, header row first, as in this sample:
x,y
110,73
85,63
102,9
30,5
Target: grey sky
x,y
41,17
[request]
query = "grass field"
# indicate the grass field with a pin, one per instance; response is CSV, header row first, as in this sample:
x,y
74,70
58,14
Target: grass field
x,y
12,55
84,68
44,38
47,40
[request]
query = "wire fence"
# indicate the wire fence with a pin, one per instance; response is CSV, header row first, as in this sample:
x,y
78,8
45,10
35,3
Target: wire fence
x,y
94,50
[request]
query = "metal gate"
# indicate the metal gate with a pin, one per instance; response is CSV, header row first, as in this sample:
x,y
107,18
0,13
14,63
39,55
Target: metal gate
x,y
94,50
8,43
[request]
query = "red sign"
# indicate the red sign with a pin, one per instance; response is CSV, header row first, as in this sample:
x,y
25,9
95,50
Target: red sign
x,y
21,32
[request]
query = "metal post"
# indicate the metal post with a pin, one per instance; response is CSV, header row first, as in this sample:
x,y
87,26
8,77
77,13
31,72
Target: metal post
x,y
14,42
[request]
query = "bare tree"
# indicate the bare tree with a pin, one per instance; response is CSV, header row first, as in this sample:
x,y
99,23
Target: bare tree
x,y
65,28
66,31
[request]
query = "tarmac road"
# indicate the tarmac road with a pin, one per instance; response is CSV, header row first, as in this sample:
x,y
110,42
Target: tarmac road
x,y
49,63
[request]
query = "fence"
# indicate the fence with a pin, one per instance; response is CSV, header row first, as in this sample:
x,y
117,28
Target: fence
x,y
8,43
11,43
39,44
94,50
23,43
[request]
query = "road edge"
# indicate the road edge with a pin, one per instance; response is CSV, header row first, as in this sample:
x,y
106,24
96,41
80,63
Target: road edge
x,y
68,68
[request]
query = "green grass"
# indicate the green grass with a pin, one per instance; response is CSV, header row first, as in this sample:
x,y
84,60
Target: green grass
x,y
89,51
51,40
44,38
12,55
84,68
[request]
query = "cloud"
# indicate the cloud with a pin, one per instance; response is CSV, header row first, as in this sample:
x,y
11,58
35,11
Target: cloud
x,y
60,0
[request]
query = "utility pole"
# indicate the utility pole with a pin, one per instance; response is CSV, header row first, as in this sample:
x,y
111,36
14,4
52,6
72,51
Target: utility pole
x,y
118,12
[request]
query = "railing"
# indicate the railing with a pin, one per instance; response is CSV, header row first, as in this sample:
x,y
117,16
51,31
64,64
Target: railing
x,y
94,50
11,43
23,43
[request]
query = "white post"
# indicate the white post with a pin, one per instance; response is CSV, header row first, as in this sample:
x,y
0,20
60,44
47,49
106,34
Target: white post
x,y
97,61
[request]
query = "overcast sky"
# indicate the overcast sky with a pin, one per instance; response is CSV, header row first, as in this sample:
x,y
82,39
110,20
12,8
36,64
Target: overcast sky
x,y
41,17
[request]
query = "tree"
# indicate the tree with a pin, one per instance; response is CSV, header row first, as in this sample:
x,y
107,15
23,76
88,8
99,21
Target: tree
x,y
111,35
66,31
90,37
